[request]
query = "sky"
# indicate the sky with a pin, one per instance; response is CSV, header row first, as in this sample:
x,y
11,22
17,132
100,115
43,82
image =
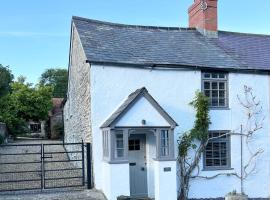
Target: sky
x,y
35,34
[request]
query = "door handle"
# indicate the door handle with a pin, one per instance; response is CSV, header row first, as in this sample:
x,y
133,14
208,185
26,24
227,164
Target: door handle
x,y
132,164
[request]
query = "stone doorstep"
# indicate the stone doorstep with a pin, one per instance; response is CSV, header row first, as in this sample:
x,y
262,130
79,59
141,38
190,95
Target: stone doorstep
x,y
132,198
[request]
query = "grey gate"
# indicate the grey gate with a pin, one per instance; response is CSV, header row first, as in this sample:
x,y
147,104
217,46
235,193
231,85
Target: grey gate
x,y
41,166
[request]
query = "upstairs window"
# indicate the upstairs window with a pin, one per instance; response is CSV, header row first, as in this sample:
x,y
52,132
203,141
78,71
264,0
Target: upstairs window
x,y
214,86
217,152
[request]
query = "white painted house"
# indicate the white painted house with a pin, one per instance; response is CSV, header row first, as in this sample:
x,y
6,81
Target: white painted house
x,y
129,94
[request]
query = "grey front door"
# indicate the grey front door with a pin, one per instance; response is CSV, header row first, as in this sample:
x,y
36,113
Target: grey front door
x,y
137,165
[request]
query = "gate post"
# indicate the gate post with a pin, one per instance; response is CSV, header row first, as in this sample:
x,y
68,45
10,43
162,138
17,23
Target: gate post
x,y
89,165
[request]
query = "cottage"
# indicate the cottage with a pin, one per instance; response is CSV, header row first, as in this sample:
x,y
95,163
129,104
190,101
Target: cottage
x,y
129,92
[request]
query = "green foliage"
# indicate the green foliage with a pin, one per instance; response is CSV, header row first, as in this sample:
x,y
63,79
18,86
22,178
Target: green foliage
x,y
56,78
6,78
200,130
25,103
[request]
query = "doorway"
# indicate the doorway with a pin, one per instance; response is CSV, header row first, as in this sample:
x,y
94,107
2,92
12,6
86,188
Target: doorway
x,y
137,165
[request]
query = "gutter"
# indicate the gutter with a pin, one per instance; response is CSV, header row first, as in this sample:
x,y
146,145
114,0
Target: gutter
x,y
180,67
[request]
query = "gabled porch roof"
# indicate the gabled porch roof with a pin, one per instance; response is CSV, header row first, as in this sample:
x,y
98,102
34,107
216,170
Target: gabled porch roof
x,y
130,101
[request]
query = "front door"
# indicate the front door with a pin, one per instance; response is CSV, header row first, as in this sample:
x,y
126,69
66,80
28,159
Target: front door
x,y
137,165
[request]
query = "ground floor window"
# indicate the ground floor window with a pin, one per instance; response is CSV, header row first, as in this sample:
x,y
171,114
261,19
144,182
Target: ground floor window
x,y
217,152
119,138
164,143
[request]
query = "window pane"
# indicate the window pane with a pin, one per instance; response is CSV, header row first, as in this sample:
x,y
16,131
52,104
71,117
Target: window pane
x,y
221,85
206,85
221,75
120,153
215,102
221,93
120,144
207,93
214,85
207,75
215,94
214,75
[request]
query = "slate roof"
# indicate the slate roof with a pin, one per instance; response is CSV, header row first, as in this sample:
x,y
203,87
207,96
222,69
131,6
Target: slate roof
x,y
131,100
106,42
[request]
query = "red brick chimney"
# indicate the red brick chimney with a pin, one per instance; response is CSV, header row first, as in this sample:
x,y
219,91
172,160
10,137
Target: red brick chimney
x,y
203,17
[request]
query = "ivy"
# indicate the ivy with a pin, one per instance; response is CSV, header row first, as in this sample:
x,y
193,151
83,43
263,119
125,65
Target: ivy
x,y
196,139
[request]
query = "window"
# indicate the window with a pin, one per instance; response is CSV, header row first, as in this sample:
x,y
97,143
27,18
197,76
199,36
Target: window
x,y
119,138
214,86
134,145
106,143
217,152
164,143
35,128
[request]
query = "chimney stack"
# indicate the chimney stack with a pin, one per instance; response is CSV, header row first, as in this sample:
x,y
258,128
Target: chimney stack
x,y
203,17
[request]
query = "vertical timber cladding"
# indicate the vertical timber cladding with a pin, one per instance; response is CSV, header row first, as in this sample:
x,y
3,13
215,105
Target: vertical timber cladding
x,y
41,166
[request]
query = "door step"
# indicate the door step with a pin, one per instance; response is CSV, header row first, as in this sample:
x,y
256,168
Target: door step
x,y
132,198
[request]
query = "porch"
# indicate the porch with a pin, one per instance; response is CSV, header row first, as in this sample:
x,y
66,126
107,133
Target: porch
x,y
138,150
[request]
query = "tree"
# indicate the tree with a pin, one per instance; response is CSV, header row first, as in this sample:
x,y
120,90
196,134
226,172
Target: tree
x,y
58,79
25,103
6,78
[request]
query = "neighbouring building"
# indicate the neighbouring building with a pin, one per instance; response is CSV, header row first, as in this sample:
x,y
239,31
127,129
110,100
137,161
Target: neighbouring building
x,y
56,119
129,92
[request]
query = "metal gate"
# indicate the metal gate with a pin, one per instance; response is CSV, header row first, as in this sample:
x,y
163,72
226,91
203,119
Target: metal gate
x,y
42,166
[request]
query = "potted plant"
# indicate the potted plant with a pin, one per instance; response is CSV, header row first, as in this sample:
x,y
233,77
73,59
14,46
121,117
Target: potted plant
x,y
236,196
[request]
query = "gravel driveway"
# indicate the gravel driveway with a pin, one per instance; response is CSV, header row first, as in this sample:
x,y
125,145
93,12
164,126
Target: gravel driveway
x,y
33,176
71,195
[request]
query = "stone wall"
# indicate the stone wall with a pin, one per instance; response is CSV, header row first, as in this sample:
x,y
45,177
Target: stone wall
x,y
77,120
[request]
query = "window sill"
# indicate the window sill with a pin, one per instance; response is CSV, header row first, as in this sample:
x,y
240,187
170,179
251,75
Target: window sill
x,y
218,169
219,108
164,159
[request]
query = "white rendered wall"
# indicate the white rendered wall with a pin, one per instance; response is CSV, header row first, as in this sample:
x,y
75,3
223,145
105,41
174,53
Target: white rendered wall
x,y
165,181
142,109
173,90
116,180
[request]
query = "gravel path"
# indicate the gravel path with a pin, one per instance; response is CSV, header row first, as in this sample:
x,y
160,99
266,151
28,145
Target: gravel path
x,y
17,180
71,195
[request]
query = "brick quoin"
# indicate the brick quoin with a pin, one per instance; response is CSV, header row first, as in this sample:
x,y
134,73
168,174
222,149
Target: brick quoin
x,y
205,19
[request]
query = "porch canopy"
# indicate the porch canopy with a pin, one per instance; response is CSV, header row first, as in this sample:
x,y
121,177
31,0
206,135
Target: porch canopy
x,y
140,112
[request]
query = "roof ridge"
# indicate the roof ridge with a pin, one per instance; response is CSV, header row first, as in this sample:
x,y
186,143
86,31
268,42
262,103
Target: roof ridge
x,y
130,25
241,33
